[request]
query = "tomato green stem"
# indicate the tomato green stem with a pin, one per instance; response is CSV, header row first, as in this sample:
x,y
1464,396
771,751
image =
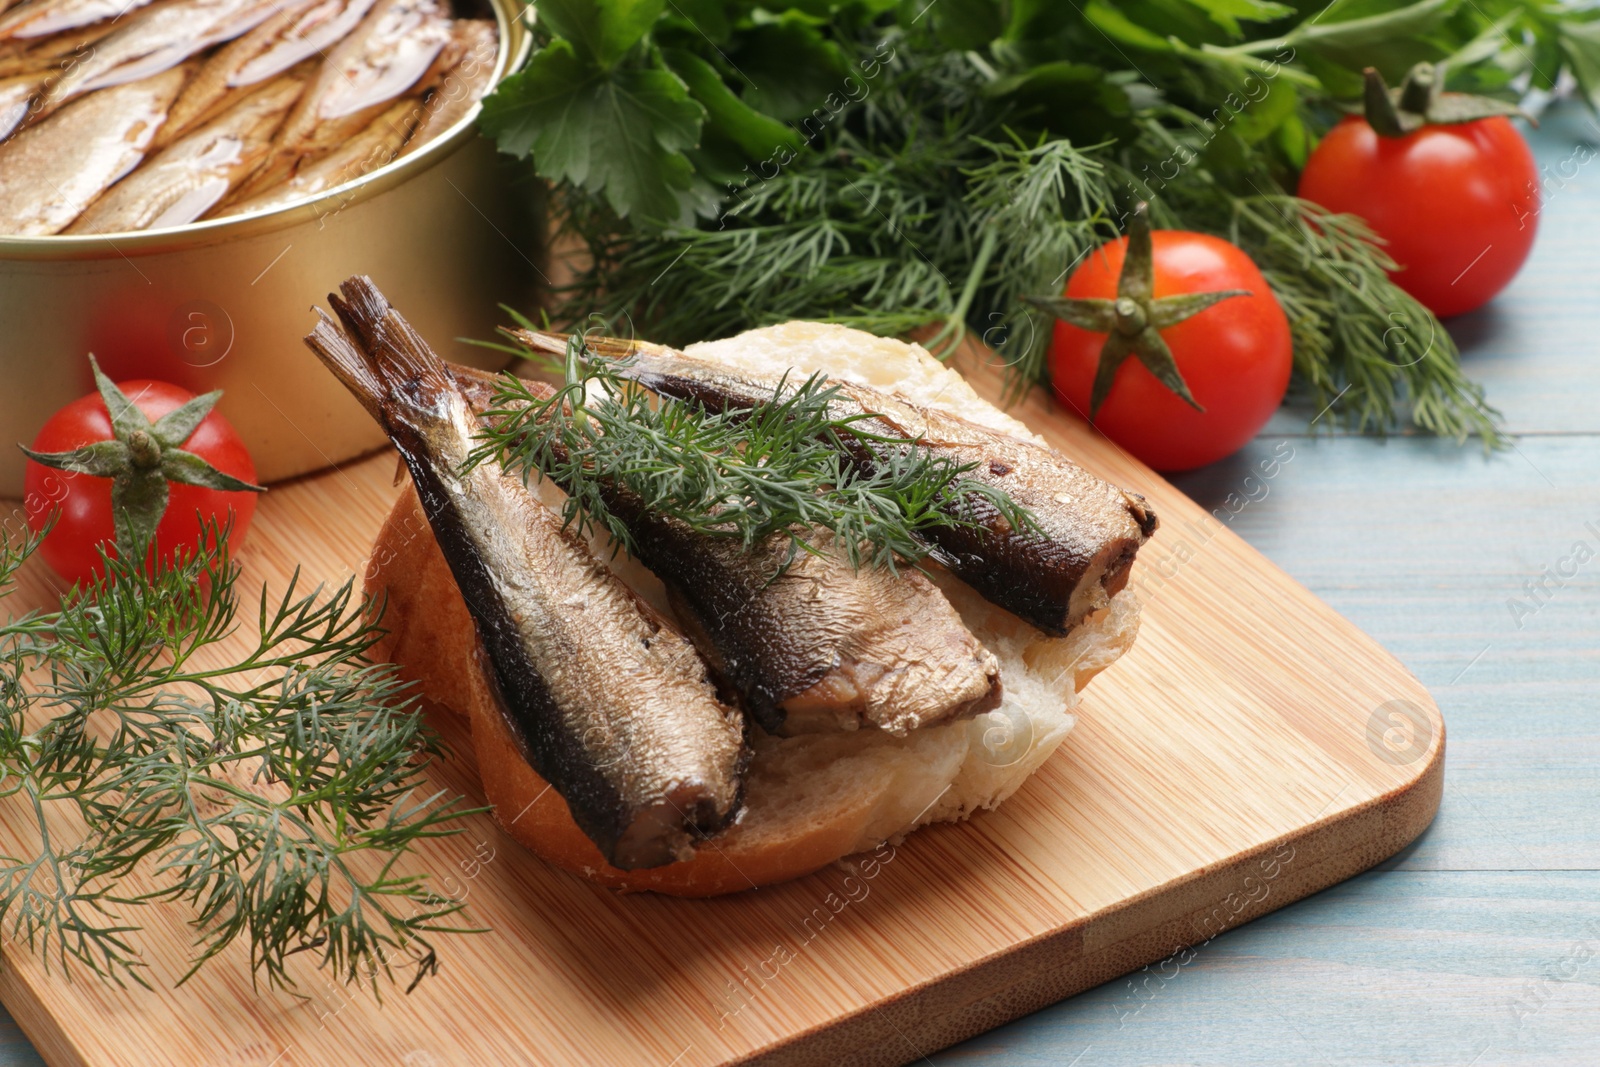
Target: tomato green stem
x,y
143,451
1133,321
1130,316
140,459
1418,90
1421,101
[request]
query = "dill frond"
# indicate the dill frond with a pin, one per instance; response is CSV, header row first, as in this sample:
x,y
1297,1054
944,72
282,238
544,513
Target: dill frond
x,y
779,468
275,792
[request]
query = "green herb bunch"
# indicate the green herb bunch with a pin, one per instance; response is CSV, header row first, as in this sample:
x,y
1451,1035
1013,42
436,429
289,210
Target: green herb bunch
x,y
904,165
277,792
776,469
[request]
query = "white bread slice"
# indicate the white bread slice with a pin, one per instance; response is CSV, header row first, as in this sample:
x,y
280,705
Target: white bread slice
x,y
811,799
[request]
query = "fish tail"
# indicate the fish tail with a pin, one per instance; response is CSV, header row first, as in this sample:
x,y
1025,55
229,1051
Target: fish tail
x,y
379,357
541,341
349,363
555,344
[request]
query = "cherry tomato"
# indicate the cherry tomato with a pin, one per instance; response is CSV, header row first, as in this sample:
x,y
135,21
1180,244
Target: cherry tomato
x,y
81,503
1458,205
1235,355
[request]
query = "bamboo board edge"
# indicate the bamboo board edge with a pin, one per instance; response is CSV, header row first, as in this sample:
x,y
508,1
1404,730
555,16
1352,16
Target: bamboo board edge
x,y
988,993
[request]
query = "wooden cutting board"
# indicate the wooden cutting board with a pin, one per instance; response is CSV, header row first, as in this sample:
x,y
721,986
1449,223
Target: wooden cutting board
x,y
1253,748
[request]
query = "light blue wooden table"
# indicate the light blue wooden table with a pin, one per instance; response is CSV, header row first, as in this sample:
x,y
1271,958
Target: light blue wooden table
x,y
1480,944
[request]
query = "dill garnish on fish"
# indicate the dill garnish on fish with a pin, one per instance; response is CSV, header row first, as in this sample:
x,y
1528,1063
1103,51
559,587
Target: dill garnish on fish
x,y
772,469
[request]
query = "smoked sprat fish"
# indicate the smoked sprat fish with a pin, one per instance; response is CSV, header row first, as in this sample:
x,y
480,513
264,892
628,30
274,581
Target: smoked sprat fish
x,y
361,154
16,98
51,55
155,39
462,84
193,174
1054,577
41,18
381,79
402,128
611,704
300,30
51,172
382,58
822,646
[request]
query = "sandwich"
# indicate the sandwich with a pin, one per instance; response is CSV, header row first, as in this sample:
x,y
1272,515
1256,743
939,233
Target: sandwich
x,y
701,716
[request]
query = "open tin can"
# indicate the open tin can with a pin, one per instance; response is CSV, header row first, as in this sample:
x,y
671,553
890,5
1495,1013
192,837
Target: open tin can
x,y
447,232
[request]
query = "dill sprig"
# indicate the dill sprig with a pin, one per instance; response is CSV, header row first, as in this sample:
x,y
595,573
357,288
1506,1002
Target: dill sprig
x,y
276,792
779,468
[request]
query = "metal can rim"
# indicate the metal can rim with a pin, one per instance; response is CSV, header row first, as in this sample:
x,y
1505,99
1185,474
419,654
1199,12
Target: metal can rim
x,y
516,42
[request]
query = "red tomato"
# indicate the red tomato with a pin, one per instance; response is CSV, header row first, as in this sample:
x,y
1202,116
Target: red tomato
x,y
1458,205
1235,355
84,502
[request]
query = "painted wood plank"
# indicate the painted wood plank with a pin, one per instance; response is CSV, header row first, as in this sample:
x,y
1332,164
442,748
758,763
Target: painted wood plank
x,y
1431,550
1436,968
1425,547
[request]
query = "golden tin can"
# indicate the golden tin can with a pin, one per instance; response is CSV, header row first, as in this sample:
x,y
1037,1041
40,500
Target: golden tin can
x,y
445,232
